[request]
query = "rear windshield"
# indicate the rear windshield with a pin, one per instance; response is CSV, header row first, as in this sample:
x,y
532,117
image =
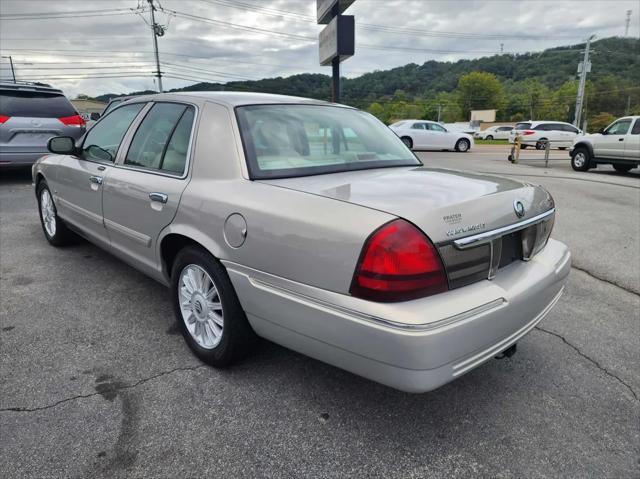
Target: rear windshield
x,y
35,104
523,126
283,141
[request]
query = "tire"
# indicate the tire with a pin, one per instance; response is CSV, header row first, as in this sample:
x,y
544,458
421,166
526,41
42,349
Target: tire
x,y
541,144
463,145
581,159
523,147
622,168
562,148
54,228
216,331
408,142
489,137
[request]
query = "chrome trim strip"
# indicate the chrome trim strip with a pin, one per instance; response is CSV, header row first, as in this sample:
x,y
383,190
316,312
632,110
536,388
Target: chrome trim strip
x,y
470,363
485,237
351,314
128,232
81,211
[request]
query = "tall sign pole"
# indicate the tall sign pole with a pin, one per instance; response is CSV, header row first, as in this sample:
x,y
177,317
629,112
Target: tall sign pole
x,y
337,40
583,68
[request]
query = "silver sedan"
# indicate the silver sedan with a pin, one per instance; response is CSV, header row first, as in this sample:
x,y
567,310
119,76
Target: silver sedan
x,y
312,225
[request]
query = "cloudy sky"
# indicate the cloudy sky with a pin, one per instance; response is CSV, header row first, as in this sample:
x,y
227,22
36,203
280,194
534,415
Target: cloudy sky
x,y
105,46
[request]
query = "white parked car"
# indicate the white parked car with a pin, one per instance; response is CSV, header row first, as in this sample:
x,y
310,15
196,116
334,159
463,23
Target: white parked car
x,y
617,145
537,133
430,135
494,133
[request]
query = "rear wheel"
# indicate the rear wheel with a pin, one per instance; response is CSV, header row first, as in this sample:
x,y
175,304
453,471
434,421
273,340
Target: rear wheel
x,y
541,144
622,168
463,145
207,309
54,228
407,141
581,159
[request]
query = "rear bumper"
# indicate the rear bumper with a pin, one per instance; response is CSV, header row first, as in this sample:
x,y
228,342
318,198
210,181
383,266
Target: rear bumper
x,y
20,159
415,346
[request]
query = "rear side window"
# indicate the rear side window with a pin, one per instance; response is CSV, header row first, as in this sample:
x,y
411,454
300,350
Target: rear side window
x,y
523,126
162,139
636,128
418,126
103,140
570,129
35,104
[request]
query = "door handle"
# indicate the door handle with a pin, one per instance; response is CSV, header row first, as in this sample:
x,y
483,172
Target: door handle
x,y
96,179
159,197
620,139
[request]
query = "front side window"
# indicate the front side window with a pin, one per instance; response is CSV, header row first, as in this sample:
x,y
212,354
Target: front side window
x,y
620,127
436,127
298,140
418,126
150,145
103,140
523,126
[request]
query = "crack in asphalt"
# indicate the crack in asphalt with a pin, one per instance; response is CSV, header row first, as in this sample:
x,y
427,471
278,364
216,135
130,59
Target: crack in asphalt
x,y
604,280
101,392
591,360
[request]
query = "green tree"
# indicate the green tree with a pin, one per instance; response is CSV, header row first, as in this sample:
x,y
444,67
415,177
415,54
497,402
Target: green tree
x,y
479,91
599,121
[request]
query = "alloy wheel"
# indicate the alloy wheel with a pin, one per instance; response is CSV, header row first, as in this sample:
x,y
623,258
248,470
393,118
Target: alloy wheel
x,y
48,212
201,306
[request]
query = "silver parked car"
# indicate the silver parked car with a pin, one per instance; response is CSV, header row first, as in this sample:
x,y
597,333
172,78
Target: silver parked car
x,y
312,225
30,114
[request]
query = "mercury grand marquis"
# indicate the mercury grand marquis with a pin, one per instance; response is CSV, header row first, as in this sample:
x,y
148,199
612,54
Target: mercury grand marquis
x,y
312,225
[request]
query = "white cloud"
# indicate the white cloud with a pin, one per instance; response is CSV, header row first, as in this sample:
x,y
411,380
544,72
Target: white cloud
x,y
100,45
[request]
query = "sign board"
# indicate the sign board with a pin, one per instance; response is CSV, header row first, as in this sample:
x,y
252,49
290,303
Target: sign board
x,y
325,9
337,39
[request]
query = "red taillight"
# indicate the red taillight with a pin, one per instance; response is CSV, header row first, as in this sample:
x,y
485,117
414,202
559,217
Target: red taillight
x,y
398,263
3,119
75,120
528,132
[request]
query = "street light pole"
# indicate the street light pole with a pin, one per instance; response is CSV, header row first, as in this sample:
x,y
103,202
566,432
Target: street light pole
x,y
154,34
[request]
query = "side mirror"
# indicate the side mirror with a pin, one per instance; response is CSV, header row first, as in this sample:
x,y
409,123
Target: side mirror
x,y
62,145
94,116
602,131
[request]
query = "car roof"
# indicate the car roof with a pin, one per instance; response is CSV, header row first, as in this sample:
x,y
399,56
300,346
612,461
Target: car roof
x,y
26,86
233,99
542,122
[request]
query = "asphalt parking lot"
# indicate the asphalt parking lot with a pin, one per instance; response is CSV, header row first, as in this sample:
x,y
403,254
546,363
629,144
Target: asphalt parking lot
x,y
96,382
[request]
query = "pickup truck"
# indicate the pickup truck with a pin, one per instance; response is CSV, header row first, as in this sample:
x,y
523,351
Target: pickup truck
x,y
617,145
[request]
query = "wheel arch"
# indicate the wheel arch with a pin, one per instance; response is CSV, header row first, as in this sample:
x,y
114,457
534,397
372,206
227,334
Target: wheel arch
x,y
583,144
175,239
37,180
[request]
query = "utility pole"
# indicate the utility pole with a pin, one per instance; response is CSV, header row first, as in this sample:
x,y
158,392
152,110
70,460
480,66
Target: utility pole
x,y
439,112
627,23
156,31
501,48
13,72
628,109
583,68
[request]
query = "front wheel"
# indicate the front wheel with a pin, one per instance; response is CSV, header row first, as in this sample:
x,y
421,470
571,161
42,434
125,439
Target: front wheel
x,y
489,137
54,228
463,145
408,142
581,159
207,309
622,168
